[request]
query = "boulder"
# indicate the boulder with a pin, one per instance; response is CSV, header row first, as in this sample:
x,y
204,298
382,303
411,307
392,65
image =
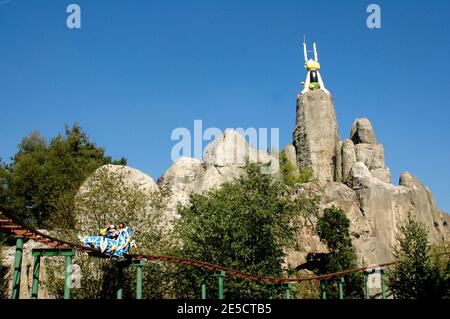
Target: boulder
x,y
130,175
362,132
182,179
231,149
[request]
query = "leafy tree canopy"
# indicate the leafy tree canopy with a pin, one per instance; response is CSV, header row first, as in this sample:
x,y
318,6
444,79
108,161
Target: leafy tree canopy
x,y
422,271
45,174
333,229
243,225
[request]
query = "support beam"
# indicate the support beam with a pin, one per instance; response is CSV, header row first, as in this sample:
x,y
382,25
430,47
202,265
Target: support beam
x,y
220,277
341,287
139,264
52,252
366,285
272,291
120,282
203,288
68,253
36,269
286,289
17,268
68,278
383,286
203,282
323,289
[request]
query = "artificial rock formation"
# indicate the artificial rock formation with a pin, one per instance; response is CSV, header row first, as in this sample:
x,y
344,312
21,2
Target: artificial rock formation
x,y
362,146
225,159
350,174
356,179
130,175
316,136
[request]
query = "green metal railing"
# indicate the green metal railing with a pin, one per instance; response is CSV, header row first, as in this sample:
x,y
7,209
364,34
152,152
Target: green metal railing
x,y
17,268
286,287
68,253
138,261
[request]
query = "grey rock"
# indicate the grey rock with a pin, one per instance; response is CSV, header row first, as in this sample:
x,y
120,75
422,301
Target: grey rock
x,y
182,179
362,132
383,174
225,160
231,149
316,134
291,157
338,174
348,155
130,175
372,155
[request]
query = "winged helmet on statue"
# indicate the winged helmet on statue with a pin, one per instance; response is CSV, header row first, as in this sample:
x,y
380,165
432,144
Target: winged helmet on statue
x,y
313,78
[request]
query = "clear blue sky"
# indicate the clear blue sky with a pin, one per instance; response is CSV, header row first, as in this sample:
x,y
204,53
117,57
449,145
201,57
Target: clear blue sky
x,y
139,69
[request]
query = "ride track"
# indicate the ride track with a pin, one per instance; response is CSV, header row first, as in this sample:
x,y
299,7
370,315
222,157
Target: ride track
x,y
19,229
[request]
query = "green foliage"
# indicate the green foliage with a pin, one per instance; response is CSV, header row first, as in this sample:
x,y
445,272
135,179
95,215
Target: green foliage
x,y
243,225
291,175
333,229
309,289
3,272
107,197
421,271
44,176
4,176
122,161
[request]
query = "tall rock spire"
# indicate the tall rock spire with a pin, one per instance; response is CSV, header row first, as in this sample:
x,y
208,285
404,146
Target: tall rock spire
x,y
316,137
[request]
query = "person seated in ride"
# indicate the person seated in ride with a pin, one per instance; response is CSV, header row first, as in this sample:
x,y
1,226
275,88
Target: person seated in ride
x,y
121,229
106,232
112,232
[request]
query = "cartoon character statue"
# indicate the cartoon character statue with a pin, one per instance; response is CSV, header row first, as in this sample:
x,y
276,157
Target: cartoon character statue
x,y
313,78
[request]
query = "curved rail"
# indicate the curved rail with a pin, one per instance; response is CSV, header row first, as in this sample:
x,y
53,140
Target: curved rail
x,y
19,229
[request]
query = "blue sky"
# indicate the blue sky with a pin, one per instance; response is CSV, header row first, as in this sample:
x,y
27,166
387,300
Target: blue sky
x,y
138,69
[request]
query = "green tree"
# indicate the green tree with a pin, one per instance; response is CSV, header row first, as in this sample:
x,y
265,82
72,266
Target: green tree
x,y
3,272
421,271
108,197
242,225
45,176
333,229
291,175
4,174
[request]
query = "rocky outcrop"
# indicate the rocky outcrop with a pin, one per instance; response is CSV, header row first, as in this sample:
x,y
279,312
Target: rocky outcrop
x,y
231,149
350,174
130,175
316,136
375,207
362,132
224,161
362,147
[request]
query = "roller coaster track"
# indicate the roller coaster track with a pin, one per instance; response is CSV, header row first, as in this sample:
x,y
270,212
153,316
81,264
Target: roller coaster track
x,y
19,229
